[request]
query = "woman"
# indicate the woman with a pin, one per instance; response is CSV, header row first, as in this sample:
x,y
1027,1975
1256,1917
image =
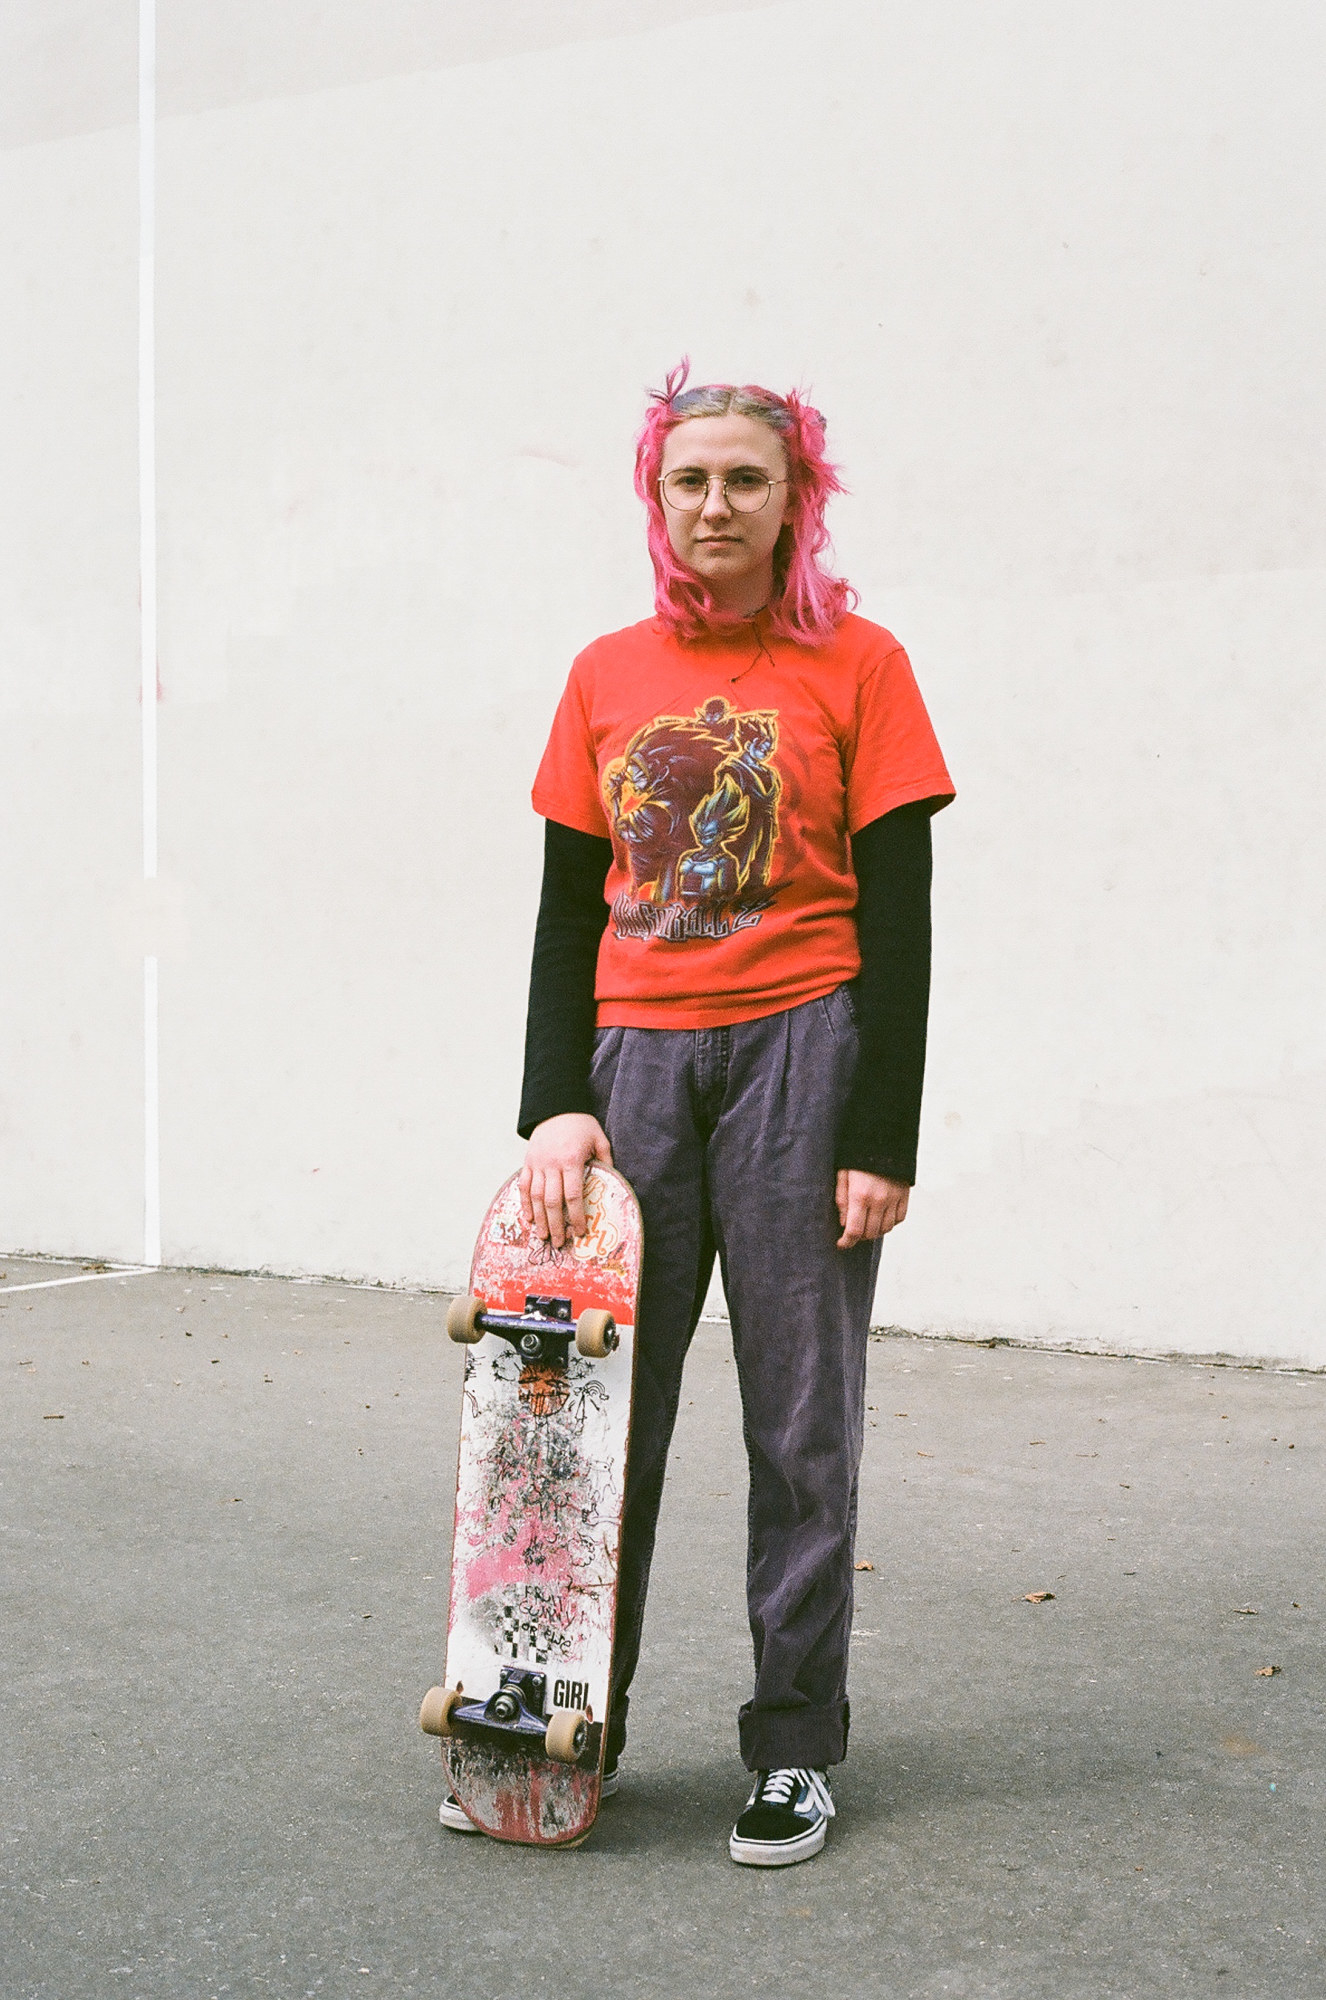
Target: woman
x,y
728,1003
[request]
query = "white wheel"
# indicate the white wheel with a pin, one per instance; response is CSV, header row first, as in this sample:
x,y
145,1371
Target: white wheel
x,y
564,1738
596,1333
462,1315
435,1712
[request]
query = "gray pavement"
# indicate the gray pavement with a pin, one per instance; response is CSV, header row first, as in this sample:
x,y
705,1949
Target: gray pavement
x,y
225,1509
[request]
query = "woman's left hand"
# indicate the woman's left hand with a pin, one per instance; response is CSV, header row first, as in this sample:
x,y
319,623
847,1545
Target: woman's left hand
x,y
868,1206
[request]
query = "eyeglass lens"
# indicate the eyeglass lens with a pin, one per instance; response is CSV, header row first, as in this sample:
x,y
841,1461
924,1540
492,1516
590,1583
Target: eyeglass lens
x,y
747,489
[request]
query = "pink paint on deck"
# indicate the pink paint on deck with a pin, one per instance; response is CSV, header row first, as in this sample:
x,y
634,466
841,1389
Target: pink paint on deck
x,y
602,1270
511,1564
550,1805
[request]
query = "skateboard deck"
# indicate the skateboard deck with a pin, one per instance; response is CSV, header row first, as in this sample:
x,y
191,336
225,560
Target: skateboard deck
x,y
545,1422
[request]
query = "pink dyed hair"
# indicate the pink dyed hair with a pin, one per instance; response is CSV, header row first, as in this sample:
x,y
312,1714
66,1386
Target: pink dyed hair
x,y
808,603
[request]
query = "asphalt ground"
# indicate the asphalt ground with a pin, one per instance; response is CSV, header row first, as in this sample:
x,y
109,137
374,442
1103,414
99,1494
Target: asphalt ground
x,y
225,1518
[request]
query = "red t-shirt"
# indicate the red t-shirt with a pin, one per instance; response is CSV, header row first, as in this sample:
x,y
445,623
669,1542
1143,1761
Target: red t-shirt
x,y
729,773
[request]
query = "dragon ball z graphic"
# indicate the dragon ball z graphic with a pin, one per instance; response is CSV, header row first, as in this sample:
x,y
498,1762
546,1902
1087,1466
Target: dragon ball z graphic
x,y
693,805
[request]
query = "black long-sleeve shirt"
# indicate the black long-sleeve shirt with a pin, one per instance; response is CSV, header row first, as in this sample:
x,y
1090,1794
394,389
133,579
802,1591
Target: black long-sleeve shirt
x,y
892,861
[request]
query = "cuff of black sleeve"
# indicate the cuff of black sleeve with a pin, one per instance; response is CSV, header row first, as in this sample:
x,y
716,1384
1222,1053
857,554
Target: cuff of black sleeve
x,y
535,1111
890,1164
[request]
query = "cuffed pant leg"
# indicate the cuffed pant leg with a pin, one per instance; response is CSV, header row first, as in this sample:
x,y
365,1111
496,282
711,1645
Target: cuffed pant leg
x,y
800,1322
641,1082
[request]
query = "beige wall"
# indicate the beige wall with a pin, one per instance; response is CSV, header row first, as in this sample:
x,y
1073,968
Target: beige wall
x,y
71,1033
1054,274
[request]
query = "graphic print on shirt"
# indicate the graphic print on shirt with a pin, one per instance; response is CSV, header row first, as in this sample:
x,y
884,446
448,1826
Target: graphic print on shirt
x,y
693,804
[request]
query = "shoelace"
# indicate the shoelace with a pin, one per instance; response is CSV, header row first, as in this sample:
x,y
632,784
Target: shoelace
x,y
779,1788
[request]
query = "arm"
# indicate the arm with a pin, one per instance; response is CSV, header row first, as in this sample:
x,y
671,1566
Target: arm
x,y
556,1111
877,1137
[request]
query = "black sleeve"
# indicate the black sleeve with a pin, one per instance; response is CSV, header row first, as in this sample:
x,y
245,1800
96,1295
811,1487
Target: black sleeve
x,y
891,857
559,1027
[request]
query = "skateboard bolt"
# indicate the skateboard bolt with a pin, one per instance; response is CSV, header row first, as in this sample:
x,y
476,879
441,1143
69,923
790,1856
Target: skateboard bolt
x,y
505,1707
530,1343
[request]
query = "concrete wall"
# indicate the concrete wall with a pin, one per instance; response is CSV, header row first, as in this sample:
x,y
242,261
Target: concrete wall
x,y
1056,276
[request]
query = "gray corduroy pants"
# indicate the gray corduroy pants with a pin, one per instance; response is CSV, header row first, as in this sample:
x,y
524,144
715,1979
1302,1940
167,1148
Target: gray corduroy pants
x,y
727,1136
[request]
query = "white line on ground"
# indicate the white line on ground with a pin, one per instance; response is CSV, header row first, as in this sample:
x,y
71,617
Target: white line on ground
x,y
83,1278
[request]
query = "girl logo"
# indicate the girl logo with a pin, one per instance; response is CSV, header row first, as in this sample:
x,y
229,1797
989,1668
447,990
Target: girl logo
x,y
570,1694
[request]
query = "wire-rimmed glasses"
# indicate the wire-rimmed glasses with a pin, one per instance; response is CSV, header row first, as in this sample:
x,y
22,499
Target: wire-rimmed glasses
x,y
746,490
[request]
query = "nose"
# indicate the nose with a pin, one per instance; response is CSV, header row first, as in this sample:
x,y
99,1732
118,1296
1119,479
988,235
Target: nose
x,y
716,506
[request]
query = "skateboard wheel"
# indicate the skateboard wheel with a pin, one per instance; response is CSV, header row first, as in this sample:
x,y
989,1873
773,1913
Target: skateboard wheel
x,y
596,1333
462,1315
564,1738
435,1714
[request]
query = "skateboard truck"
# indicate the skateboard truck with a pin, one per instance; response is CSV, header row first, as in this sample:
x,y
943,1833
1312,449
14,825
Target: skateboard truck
x,y
541,1333
511,1718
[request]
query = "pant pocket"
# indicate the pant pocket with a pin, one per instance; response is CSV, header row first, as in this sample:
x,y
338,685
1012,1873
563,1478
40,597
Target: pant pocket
x,y
839,1011
603,1065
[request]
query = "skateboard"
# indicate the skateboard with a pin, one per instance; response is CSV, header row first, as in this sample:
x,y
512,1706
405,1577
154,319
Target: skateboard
x,y
545,1421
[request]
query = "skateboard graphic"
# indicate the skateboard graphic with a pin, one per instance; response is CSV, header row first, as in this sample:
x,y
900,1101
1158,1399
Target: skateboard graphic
x,y
545,1421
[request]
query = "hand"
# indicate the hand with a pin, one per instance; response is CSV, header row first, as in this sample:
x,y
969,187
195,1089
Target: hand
x,y
868,1206
552,1180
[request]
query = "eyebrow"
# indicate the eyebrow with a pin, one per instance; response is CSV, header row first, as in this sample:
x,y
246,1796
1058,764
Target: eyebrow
x,y
763,470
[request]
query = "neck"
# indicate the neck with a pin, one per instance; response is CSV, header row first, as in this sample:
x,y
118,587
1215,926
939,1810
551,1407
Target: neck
x,y
744,597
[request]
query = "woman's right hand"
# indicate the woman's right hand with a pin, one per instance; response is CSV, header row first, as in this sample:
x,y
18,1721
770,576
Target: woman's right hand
x,y
552,1180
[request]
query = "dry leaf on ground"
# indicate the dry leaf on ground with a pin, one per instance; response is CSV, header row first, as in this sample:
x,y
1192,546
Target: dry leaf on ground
x,y
1265,1671
863,1565
1245,1611
1044,1597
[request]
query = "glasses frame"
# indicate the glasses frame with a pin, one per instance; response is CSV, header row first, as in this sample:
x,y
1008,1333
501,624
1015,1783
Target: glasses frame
x,y
709,478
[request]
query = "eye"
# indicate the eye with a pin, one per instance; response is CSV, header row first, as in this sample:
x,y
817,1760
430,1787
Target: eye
x,y
747,479
687,481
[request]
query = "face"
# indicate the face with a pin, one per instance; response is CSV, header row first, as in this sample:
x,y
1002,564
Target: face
x,y
731,551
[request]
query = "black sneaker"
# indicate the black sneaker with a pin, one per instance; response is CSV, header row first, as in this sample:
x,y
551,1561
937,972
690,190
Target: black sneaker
x,y
786,1819
453,1814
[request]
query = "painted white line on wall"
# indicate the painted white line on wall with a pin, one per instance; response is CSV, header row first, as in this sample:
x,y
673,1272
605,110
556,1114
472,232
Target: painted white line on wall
x,y
83,1278
147,594
151,1119
147,470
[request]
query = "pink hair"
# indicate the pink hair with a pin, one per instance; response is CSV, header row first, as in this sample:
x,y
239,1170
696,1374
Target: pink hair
x,y
808,603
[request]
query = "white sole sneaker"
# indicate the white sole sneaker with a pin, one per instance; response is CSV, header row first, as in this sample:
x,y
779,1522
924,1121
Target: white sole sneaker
x,y
453,1815
786,1819
778,1853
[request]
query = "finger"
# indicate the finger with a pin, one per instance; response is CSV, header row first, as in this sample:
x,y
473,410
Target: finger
x,y
602,1149
554,1201
537,1209
892,1213
840,1197
574,1184
526,1205
854,1223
